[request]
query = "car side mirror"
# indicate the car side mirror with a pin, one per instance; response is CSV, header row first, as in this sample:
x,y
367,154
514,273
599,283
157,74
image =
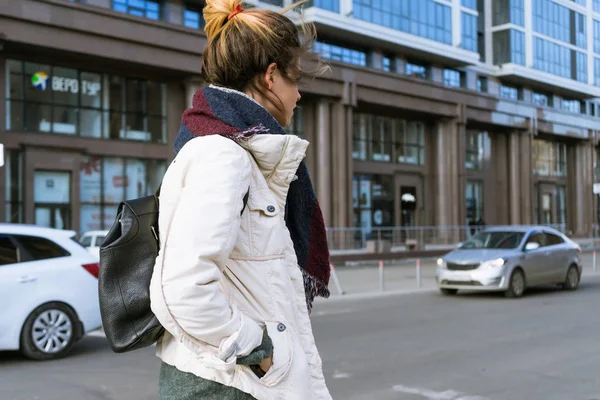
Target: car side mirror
x,y
531,246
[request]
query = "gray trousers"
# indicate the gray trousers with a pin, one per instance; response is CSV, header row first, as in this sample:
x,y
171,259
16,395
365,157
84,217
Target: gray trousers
x,y
174,384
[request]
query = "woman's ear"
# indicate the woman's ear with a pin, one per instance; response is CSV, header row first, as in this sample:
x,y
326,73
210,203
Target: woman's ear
x,y
269,75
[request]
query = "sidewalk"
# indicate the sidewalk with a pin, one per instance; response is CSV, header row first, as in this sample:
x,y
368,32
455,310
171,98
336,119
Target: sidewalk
x,y
403,276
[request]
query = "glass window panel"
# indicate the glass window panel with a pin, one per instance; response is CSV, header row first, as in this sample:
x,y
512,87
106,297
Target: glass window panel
x,y
64,120
157,129
114,180
136,96
90,178
65,86
90,217
38,118
90,123
135,179
91,90
14,71
135,128
14,114
38,82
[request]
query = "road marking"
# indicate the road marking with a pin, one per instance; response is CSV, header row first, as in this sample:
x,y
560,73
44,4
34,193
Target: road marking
x,y
432,395
332,312
340,375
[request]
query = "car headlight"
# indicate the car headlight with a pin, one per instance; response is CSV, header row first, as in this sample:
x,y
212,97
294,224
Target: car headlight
x,y
441,263
498,262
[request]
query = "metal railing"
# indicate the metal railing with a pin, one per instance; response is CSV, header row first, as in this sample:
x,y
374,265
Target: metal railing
x,y
401,239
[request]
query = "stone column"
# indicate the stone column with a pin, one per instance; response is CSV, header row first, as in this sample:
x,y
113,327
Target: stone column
x,y
514,175
526,176
447,177
324,159
340,168
580,195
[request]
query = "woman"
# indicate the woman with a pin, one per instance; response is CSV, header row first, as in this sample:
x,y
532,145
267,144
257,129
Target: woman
x,y
244,249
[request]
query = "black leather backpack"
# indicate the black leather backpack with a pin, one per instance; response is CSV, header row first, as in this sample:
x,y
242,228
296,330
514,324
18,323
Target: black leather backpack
x,y
127,258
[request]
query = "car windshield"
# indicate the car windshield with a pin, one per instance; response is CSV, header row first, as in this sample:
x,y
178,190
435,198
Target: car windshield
x,y
494,240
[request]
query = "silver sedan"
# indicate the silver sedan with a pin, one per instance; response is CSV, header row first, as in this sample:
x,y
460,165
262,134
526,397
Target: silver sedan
x,y
511,259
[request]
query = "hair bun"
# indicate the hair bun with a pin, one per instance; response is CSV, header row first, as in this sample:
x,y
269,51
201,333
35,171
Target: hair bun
x,y
216,13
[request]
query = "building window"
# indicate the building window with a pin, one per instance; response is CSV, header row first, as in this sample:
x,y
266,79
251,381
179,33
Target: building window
x,y
482,84
388,64
596,37
425,18
541,99
596,5
469,32
139,8
580,2
192,16
474,202
559,60
510,92
559,22
453,78
296,126
338,53
597,71
416,70
549,158
472,4
509,47
66,101
572,106
278,3
475,150
385,139
13,166
331,5
508,11
106,181
373,202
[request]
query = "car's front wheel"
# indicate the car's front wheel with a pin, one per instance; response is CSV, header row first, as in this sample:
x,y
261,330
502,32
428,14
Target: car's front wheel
x,y
49,332
572,279
517,285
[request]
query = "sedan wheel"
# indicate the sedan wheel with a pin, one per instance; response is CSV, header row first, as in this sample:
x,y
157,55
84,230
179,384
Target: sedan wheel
x,y
49,332
572,279
517,284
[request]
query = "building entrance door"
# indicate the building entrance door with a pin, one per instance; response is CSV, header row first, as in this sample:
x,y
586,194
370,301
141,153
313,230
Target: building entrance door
x,y
52,197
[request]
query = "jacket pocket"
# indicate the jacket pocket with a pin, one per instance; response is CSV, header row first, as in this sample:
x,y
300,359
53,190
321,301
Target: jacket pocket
x,y
266,225
282,354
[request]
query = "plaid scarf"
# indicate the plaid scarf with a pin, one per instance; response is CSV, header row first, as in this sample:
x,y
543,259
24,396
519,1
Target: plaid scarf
x,y
232,114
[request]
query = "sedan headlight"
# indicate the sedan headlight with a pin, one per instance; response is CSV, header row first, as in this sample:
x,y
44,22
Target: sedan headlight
x,y
441,263
498,262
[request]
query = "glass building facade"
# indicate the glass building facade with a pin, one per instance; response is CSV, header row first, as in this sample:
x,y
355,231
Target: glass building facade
x,y
425,18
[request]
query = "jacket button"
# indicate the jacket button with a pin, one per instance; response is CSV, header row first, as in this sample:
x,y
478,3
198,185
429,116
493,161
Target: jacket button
x,y
281,327
271,209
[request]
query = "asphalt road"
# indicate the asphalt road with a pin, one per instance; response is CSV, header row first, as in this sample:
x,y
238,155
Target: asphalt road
x,y
412,346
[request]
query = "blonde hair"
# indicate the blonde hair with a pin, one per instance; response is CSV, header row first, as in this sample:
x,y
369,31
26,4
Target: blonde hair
x,y
243,46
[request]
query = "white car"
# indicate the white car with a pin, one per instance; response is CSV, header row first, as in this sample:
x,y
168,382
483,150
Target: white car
x,y
92,240
48,291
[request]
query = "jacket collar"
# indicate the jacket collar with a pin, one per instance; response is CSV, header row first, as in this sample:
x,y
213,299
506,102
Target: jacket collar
x,y
234,114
